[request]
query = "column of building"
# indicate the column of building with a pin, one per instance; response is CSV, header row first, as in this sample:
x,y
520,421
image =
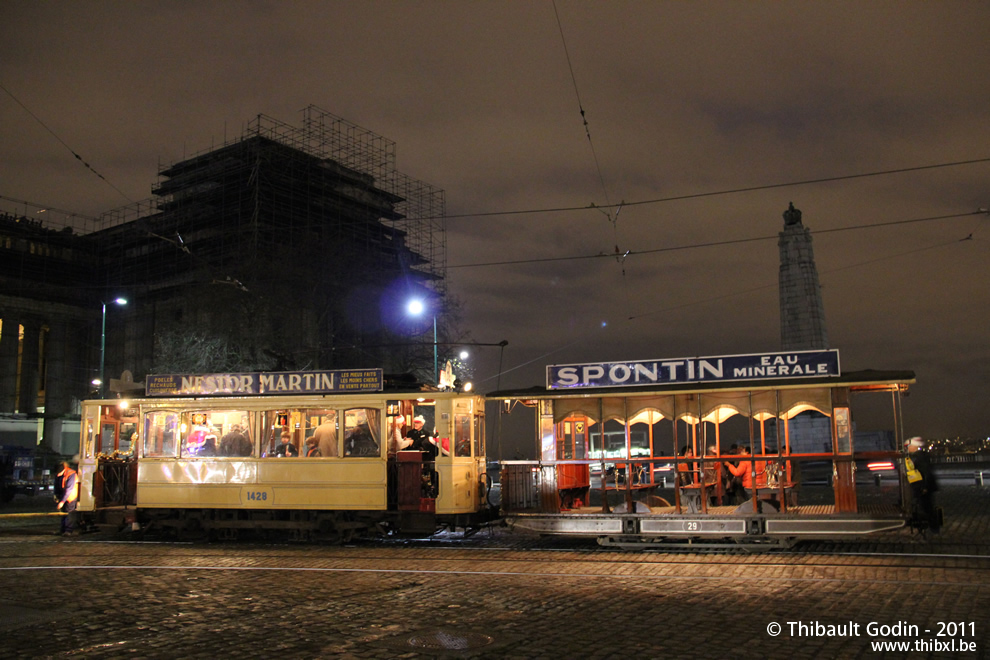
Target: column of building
x,y
30,381
9,348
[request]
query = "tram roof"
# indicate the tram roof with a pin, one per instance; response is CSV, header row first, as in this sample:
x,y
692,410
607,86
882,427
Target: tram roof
x,y
863,380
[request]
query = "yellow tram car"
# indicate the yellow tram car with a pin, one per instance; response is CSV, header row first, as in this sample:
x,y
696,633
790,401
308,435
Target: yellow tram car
x,y
318,455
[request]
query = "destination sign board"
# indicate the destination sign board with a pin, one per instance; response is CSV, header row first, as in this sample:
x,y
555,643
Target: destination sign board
x,y
790,364
343,381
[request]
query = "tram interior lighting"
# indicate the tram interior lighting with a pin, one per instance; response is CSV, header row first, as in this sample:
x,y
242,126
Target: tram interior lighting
x,y
720,414
880,465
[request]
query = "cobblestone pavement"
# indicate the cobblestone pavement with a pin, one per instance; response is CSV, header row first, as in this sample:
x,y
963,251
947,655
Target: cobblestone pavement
x,y
493,597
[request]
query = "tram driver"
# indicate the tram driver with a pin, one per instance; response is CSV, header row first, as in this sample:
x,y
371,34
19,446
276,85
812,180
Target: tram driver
x,y
422,441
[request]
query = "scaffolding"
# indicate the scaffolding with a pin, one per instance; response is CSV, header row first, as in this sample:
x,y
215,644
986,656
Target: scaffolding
x,y
419,207
274,239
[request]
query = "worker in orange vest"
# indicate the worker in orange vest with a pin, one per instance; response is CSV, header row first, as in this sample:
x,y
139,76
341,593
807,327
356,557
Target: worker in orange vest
x,y
66,497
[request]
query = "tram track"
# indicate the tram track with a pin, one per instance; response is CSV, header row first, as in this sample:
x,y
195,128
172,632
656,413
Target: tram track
x,y
428,559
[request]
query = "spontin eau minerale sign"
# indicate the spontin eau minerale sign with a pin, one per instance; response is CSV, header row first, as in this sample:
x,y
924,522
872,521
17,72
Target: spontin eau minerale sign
x,y
345,381
792,364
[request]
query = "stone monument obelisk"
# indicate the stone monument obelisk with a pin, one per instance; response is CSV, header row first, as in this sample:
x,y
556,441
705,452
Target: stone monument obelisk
x,y
802,314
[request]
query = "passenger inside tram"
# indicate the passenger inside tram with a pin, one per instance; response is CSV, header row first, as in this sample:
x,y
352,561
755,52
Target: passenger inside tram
x,y
209,447
685,470
325,433
286,449
713,477
235,442
743,473
397,437
360,442
688,478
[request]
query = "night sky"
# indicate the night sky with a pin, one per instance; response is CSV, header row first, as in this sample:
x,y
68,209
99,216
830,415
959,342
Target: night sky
x,y
683,101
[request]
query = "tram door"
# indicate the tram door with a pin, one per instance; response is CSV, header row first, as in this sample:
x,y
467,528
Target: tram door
x,y
573,479
115,475
845,470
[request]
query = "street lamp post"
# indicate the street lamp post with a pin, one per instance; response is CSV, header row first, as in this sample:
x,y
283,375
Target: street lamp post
x,y
103,341
416,308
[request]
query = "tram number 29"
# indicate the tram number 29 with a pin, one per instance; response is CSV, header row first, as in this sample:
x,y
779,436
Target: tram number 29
x,y
692,526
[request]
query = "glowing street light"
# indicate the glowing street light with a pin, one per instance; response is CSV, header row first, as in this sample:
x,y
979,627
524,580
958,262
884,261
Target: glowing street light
x,y
416,307
103,343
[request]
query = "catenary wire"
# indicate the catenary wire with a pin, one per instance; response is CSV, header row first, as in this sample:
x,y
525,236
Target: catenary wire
x,y
715,193
695,246
64,144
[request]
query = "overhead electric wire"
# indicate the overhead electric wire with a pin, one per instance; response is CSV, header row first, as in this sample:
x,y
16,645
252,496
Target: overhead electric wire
x,y
41,207
715,193
695,246
584,120
775,284
731,294
64,144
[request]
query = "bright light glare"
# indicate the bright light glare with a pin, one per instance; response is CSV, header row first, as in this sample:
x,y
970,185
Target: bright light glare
x,y
415,307
468,387
96,381
464,355
124,405
120,301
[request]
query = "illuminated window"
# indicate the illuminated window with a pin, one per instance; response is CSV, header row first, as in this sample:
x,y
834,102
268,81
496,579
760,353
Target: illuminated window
x,y
362,432
320,434
161,433
479,435
215,433
462,435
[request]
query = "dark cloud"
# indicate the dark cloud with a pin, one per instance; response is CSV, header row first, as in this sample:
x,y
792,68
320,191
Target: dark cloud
x,y
680,99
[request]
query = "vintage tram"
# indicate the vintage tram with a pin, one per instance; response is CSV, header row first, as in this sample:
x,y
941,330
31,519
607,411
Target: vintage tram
x,y
304,455
747,449
758,450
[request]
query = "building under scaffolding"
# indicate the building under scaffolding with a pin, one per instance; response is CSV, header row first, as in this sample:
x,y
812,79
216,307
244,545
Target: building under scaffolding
x,y
288,247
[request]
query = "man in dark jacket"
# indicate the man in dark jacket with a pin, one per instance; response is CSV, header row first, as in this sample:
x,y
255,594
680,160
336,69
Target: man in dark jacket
x,y
421,442
921,477
66,496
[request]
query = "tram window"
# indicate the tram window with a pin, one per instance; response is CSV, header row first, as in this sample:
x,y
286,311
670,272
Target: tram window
x,y
479,435
274,422
312,433
202,433
107,432
161,430
320,434
462,435
90,441
362,432
128,436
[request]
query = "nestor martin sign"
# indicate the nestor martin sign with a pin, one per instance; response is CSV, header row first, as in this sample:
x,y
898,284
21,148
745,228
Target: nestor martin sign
x,y
280,382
